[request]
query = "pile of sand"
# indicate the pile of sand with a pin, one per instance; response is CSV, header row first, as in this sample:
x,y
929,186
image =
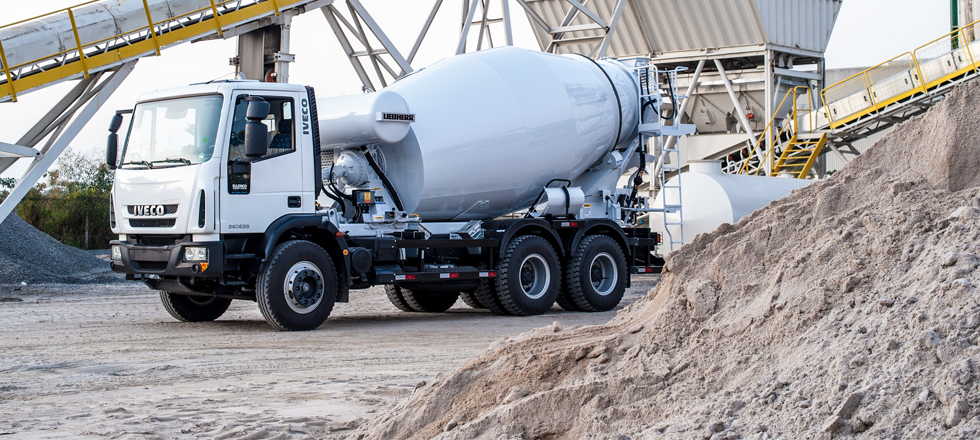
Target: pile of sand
x,y
28,255
850,306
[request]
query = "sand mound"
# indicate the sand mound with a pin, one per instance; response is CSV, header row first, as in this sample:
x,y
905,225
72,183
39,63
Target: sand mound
x,y
31,256
849,306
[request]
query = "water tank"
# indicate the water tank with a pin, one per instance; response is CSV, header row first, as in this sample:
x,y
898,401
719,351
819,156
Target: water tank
x,y
493,127
711,198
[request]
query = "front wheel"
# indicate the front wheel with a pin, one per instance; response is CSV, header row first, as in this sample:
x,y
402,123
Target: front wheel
x,y
193,308
596,274
297,287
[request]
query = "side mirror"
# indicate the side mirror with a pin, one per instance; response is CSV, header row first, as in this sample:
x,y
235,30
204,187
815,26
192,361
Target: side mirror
x,y
112,146
111,150
256,133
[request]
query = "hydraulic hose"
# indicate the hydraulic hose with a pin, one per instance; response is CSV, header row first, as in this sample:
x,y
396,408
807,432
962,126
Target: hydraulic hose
x,y
384,180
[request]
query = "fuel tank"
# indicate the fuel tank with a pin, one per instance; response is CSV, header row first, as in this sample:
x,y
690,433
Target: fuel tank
x,y
492,128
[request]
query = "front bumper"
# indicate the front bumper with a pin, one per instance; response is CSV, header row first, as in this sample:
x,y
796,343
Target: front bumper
x,y
167,260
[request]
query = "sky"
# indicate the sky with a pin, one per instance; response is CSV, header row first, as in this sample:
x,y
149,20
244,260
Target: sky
x,y
867,32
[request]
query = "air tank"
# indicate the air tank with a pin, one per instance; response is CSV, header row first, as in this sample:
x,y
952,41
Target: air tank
x,y
710,198
492,128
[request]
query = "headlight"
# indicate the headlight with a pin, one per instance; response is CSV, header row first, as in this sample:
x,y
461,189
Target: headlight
x,y
195,254
116,252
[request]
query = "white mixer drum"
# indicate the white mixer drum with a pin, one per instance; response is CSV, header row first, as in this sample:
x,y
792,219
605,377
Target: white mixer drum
x,y
493,127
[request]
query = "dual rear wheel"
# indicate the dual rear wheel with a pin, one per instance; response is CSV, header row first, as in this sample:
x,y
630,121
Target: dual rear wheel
x,y
529,280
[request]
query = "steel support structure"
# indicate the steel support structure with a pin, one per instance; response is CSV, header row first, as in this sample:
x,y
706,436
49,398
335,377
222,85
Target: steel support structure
x,y
59,126
359,20
565,33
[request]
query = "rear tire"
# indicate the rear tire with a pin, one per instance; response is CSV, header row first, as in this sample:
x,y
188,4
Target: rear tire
x,y
397,298
471,300
486,294
427,301
297,288
420,300
528,276
188,308
596,274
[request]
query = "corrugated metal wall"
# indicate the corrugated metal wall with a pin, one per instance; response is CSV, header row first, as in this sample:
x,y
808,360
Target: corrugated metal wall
x,y
682,25
833,162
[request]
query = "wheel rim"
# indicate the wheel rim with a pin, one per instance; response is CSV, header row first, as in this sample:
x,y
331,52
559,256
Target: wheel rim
x,y
603,274
535,276
303,287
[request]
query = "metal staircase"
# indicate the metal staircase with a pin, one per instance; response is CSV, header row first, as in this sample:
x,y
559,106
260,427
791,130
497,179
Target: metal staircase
x,y
799,155
797,148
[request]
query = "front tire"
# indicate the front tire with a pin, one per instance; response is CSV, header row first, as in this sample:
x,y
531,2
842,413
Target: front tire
x,y
297,287
596,274
528,276
193,308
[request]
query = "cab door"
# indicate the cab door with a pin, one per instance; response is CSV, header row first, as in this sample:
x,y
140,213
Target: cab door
x,y
257,191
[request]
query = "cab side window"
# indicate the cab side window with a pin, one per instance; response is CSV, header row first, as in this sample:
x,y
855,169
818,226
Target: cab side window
x,y
280,124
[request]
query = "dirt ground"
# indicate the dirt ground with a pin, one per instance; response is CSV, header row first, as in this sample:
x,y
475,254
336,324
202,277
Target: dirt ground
x,y
107,361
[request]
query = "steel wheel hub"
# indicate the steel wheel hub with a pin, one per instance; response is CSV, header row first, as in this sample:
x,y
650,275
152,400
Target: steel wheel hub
x,y
603,274
303,287
535,276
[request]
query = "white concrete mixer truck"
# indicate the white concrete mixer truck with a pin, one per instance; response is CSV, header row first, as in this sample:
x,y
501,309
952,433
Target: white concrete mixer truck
x,y
490,177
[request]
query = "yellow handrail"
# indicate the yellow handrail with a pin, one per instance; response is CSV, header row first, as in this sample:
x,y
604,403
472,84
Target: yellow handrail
x,y
767,133
88,63
920,84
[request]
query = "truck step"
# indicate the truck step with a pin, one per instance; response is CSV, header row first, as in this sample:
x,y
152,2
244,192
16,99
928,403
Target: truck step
x,y
239,256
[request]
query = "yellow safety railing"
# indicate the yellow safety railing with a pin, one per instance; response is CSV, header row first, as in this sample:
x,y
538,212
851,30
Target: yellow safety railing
x,y
927,67
160,35
770,137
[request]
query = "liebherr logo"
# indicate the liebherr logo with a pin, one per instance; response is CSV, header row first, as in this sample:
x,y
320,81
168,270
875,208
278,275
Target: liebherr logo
x,y
148,210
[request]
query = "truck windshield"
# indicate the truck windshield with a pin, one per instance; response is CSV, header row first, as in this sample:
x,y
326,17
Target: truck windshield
x,y
174,132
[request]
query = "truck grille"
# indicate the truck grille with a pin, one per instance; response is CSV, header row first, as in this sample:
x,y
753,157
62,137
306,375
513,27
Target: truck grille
x,y
167,209
150,265
152,222
157,240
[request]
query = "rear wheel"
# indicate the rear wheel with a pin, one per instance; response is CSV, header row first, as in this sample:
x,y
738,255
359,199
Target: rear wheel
x,y
596,274
421,300
471,300
397,298
193,308
528,276
296,289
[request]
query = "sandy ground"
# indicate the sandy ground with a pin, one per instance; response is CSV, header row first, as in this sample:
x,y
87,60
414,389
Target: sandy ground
x,y
107,361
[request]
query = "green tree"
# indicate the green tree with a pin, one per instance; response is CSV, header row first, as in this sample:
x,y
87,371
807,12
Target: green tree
x,y
73,204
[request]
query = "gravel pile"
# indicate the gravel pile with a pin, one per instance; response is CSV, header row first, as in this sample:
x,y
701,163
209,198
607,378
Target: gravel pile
x,y
848,308
30,256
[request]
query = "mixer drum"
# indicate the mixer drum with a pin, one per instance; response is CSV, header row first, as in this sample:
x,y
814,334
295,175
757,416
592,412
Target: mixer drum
x,y
493,127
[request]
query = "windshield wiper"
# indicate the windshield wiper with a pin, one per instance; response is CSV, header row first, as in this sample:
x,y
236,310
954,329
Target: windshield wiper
x,y
169,160
138,162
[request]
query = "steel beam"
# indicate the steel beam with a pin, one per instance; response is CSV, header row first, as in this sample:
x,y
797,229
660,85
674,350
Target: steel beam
x,y
381,36
331,13
465,32
64,137
425,30
611,29
738,109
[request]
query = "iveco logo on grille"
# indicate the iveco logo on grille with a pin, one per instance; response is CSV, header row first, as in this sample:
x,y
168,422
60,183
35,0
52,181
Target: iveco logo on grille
x,y
148,210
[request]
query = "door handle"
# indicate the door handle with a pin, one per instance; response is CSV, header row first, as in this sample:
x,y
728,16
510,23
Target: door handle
x,y
294,201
